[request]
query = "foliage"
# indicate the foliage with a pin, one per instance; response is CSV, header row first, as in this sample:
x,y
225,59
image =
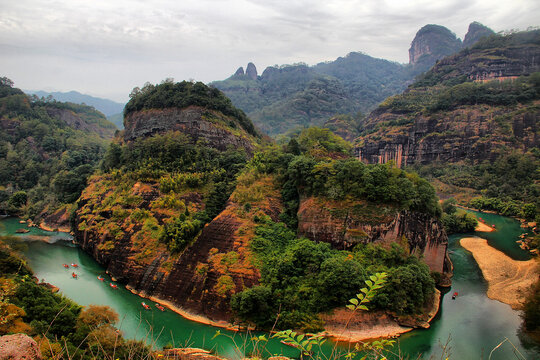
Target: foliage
x,y
509,185
531,311
303,278
49,151
178,234
182,95
458,222
292,96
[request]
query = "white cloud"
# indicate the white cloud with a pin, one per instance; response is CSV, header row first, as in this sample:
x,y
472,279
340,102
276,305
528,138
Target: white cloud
x,y
105,48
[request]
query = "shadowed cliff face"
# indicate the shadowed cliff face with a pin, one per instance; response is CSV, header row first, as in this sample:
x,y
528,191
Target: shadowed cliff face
x,y
431,43
196,122
347,223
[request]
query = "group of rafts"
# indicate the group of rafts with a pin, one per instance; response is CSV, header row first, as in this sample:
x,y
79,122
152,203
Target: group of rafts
x,y
114,286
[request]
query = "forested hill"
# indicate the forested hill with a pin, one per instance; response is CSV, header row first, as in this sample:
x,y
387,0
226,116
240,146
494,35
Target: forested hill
x,y
47,150
471,122
291,96
286,97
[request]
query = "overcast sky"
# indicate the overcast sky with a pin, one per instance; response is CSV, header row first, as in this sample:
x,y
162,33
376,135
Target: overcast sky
x,y
106,47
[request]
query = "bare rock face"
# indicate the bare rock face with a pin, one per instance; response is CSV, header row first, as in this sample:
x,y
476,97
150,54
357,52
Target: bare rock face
x,y
431,43
196,122
19,347
251,71
345,224
476,32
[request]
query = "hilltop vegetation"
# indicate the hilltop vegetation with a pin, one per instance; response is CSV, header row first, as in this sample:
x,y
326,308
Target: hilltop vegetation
x,y
301,277
183,94
47,151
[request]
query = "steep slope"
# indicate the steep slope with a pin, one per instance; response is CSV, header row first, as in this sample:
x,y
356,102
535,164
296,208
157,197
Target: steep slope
x,y
476,32
472,108
431,43
157,217
47,150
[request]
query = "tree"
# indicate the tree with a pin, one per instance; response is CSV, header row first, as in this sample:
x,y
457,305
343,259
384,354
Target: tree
x,y
98,315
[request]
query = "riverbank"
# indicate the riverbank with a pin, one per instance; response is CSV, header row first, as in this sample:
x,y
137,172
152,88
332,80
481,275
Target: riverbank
x,y
364,326
481,227
186,314
508,279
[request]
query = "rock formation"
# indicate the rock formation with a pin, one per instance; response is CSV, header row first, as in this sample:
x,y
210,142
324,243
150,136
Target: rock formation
x,y
196,122
239,72
476,32
345,224
404,131
432,43
19,347
251,71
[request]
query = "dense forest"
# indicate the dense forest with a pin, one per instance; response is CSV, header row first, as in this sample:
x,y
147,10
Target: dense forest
x,y
47,151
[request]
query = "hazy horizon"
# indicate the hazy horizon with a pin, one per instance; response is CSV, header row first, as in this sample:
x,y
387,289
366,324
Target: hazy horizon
x,y
104,49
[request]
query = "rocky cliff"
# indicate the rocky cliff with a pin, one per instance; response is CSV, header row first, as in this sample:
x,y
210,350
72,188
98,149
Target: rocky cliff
x,y
455,113
216,129
347,223
476,32
431,43
473,133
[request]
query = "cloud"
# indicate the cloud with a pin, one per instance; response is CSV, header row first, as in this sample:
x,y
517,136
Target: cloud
x,y
107,47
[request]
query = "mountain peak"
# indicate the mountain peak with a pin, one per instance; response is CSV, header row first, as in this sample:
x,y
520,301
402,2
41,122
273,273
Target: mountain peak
x,y
431,43
476,32
251,71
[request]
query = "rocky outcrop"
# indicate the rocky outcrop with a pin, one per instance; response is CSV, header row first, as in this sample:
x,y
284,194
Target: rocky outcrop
x,y
239,72
476,32
197,123
251,71
431,43
345,224
19,347
471,133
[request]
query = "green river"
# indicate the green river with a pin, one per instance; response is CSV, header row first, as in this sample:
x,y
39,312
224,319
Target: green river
x,y
472,324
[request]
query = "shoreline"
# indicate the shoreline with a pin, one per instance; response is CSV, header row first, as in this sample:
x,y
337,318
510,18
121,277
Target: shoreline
x,y
386,328
185,313
482,227
44,226
508,279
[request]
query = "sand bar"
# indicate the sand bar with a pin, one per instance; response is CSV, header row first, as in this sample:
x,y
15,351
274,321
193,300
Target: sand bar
x,y
508,279
482,227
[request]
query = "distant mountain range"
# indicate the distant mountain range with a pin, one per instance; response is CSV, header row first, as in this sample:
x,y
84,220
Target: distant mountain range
x,y
111,109
291,96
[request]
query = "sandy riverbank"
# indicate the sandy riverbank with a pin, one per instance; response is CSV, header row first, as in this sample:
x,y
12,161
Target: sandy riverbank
x,y
481,227
46,227
508,279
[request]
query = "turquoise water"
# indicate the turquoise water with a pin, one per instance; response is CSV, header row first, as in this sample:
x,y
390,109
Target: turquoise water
x,y
473,323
